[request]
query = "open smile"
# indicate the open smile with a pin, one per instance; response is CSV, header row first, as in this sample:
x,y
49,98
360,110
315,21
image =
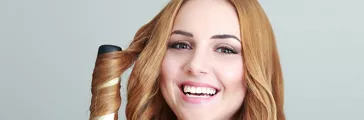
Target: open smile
x,y
193,92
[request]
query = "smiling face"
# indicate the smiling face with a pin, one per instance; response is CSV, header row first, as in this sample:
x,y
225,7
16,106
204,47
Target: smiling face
x,y
202,70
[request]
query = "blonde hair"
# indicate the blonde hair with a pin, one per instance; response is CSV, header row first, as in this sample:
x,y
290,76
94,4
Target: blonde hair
x,y
262,70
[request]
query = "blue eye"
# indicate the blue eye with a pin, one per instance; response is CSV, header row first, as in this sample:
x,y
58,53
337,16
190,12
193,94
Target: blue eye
x,y
226,50
179,45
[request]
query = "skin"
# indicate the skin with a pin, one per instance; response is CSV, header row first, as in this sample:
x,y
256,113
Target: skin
x,y
204,47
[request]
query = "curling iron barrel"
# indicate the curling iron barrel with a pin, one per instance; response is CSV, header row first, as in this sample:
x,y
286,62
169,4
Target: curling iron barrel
x,y
106,97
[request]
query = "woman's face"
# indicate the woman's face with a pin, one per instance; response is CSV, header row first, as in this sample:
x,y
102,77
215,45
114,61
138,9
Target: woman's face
x,y
202,71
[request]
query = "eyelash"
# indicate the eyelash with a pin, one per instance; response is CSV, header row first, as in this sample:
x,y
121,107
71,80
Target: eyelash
x,y
175,44
229,49
178,45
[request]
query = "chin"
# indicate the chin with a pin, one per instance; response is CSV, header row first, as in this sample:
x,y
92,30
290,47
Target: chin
x,y
188,115
201,114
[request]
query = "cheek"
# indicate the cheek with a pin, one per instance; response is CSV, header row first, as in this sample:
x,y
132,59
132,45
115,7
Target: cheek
x,y
169,68
231,76
169,73
166,70
231,70
165,80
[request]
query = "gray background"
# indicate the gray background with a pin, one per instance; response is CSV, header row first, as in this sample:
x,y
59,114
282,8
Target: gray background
x,y
48,50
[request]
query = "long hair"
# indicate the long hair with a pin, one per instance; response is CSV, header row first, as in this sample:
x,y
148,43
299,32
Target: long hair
x,y
262,69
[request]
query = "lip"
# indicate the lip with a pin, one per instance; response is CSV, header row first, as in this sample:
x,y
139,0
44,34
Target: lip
x,y
197,100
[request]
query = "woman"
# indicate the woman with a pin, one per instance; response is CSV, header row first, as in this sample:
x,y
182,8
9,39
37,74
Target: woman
x,y
199,59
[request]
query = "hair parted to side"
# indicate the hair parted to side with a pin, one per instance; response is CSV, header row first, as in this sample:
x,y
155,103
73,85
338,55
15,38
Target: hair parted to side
x,y
262,69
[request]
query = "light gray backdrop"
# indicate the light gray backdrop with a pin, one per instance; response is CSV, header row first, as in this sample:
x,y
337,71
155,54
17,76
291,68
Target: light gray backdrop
x,y
48,50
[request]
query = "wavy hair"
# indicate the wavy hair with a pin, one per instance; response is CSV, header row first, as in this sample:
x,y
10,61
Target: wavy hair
x,y
262,70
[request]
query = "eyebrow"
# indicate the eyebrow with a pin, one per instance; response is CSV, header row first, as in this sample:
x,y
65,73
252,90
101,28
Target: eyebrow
x,y
222,36
181,32
225,36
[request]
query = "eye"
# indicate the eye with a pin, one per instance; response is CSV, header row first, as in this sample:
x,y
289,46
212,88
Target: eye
x,y
226,50
179,45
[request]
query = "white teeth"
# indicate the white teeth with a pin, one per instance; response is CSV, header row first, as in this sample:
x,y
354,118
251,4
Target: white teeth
x,y
205,90
213,91
193,90
198,90
208,91
185,89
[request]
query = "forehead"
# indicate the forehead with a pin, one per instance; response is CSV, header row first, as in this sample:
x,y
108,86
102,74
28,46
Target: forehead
x,y
207,17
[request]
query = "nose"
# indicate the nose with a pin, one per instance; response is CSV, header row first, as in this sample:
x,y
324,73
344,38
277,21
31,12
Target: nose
x,y
198,64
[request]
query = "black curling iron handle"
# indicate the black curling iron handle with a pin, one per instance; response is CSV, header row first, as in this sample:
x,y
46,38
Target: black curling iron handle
x,y
108,48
